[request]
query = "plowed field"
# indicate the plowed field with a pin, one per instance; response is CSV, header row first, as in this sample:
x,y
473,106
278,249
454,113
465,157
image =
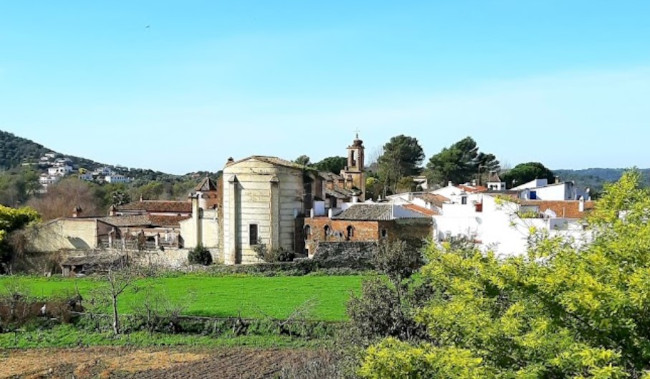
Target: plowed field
x,y
108,362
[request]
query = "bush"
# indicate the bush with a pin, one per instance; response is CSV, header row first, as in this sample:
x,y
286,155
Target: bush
x,y
273,255
200,256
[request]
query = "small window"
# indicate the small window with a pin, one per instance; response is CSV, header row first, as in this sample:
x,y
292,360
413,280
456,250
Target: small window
x,y
463,200
252,234
350,231
327,231
533,195
384,233
307,231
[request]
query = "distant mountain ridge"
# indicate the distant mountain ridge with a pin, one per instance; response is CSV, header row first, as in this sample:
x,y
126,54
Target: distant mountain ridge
x,y
595,178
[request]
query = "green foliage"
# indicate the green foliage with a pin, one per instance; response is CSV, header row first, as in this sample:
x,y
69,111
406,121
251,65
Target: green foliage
x,y
332,164
199,256
303,160
12,219
273,255
17,185
237,294
460,163
559,311
525,172
401,157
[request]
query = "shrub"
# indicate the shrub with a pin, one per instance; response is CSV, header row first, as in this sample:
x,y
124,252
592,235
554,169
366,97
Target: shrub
x,y
200,256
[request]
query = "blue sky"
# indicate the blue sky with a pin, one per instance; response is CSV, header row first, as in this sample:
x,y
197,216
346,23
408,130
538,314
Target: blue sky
x,y
566,83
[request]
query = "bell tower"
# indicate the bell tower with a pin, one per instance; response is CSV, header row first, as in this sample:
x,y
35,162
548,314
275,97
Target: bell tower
x,y
354,169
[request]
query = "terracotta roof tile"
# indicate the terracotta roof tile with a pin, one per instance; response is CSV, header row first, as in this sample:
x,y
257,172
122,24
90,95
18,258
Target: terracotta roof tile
x,y
434,199
150,206
419,209
562,209
472,189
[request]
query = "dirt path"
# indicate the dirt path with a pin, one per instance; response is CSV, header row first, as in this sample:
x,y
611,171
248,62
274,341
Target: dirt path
x,y
110,362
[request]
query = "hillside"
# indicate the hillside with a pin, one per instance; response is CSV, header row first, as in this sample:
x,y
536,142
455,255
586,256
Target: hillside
x,y
595,178
15,151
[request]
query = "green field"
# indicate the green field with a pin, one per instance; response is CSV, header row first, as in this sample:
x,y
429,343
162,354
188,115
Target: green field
x,y
225,296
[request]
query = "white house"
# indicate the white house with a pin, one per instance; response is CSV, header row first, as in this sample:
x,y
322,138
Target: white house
x,y
540,189
503,225
116,178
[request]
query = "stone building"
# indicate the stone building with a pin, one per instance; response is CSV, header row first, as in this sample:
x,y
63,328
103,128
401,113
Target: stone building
x,y
204,226
266,198
368,222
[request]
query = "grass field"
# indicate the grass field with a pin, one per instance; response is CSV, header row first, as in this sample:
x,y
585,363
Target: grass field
x,y
225,296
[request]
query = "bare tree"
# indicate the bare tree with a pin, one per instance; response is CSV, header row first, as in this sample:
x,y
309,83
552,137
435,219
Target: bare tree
x,y
61,198
116,282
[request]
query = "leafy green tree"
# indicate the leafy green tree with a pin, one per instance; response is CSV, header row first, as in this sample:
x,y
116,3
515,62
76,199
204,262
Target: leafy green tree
x,y
402,156
11,220
332,164
460,163
557,312
525,172
303,160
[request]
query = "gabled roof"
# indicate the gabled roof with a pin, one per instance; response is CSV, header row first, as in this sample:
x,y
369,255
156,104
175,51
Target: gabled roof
x,y
494,178
329,175
206,185
149,206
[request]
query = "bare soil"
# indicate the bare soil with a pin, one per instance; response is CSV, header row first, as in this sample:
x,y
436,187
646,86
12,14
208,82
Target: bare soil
x,y
114,362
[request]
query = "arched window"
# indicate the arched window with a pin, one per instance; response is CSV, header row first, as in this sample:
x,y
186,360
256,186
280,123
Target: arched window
x,y
350,231
384,233
327,230
307,231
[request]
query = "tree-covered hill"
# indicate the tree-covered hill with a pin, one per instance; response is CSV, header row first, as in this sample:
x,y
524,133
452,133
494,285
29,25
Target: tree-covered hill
x,y
595,178
16,150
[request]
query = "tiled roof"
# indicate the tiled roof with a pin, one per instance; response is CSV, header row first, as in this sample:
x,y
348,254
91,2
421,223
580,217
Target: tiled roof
x,y
472,189
329,175
168,221
419,209
157,206
494,177
376,212
125,221
206,185
562,209
339,193
144,221
434,199
367,212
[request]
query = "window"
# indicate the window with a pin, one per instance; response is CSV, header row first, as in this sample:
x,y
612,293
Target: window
x,y
533,195
463,200
350,231
327,231
307,231
384,233
252,234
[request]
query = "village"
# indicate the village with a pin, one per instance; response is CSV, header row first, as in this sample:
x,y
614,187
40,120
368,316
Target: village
x,y
281,205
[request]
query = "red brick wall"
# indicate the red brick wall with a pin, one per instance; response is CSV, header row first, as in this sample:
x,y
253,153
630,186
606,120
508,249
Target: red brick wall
x,y
364,231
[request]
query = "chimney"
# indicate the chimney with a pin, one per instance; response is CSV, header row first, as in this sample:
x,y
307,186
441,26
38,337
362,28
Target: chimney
x,y
230,161
450,184
355,199
473,182
581,204
330,213
76,211
557,179
112,210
